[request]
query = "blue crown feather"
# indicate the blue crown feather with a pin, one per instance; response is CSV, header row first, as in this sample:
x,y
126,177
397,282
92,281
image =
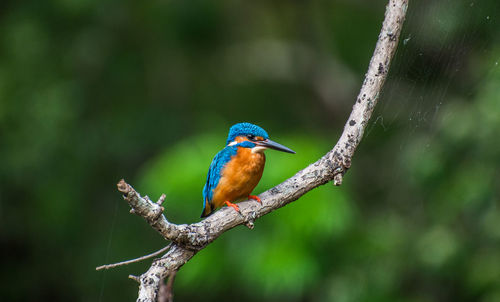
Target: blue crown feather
x,y
244,129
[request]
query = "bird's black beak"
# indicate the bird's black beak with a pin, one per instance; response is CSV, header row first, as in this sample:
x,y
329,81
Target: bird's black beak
x,y
274,145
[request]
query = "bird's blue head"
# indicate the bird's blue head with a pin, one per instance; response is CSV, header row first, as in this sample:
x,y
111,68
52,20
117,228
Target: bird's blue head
x,y
251,136
247,130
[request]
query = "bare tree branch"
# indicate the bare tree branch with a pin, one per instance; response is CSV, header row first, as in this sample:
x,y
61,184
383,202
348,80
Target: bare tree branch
x,y
166,293
187,240
108,266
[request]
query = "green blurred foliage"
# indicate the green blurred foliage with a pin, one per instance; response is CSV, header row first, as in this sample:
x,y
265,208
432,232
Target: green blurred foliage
x,y
93,91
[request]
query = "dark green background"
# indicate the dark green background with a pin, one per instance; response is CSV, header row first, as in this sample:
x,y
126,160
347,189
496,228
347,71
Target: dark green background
x,y
93,91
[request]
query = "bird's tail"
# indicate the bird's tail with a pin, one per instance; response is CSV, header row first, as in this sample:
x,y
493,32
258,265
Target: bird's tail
x,y
207,210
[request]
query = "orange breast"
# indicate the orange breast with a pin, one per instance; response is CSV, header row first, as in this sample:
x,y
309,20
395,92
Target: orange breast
x,y
239,176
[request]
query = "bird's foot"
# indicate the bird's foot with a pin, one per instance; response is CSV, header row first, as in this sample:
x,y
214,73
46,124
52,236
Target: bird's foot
x,y
232,205
255,197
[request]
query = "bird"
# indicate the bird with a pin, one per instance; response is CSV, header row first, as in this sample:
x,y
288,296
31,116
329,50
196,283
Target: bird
x,y
236,170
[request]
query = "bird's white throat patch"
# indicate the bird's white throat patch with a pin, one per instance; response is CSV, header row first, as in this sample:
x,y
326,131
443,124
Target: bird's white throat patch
x,y
258,149
232,143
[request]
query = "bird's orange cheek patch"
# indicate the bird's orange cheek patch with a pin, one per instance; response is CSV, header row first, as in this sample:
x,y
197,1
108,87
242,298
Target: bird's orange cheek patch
x,y
240,139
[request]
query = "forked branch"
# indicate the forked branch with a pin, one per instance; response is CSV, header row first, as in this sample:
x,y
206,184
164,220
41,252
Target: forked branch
x,y
187,240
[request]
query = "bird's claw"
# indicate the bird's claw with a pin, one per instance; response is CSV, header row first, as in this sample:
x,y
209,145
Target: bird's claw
x,y
255,197
234,206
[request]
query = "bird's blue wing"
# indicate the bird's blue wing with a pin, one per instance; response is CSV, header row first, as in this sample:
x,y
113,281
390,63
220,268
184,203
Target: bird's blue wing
x,y
213,176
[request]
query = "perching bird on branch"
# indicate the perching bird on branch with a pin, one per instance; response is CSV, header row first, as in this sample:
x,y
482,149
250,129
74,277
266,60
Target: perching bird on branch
x,y
237,169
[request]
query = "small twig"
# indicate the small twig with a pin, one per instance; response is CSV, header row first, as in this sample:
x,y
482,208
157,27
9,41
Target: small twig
x,y
161,200
135,278
162,292
166,292
170,287
108,266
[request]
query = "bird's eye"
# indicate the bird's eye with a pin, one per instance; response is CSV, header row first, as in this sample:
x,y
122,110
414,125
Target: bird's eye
x,y
251,136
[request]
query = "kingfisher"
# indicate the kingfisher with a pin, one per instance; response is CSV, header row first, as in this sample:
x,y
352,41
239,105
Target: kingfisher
x,y
237,169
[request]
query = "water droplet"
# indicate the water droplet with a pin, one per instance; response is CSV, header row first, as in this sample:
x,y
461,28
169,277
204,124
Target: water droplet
x,y
487,17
